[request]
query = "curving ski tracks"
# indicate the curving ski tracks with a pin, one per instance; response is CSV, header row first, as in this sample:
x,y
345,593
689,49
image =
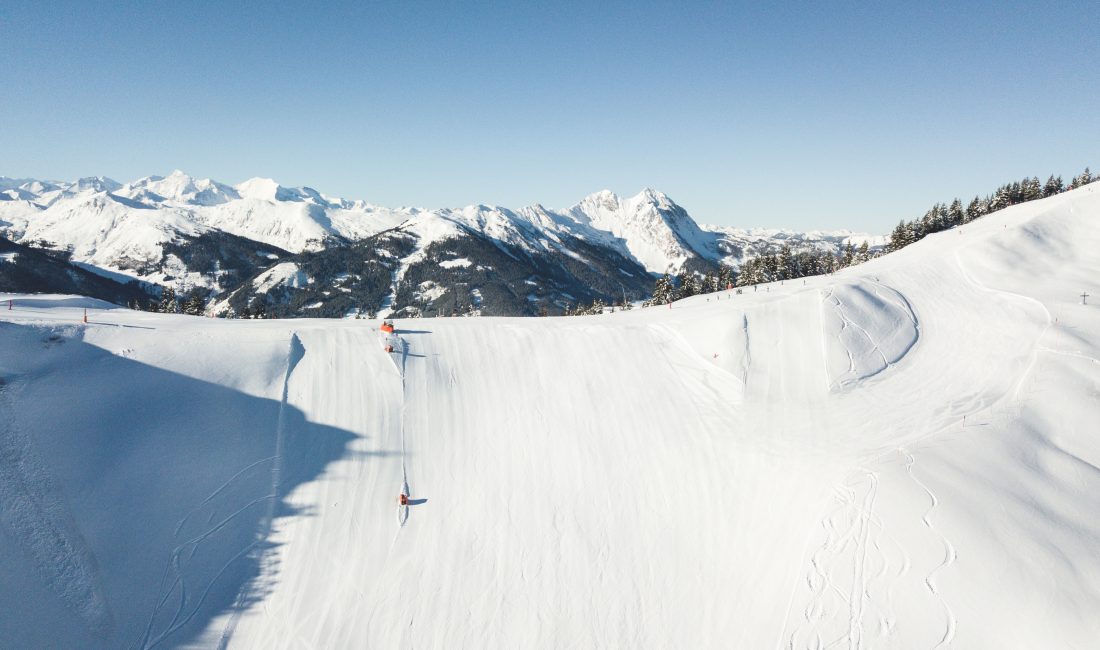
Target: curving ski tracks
x,y
950,555
295,355
840,575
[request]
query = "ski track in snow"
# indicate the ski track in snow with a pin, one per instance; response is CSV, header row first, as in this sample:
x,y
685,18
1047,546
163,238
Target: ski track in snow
x,y
35,513
746,357
294,357
1019,297
848,525
901,304
859,578
402,511
950,555
843,569
835,562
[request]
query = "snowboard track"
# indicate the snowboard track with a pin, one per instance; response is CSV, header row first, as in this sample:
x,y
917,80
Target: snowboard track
x,y
950,555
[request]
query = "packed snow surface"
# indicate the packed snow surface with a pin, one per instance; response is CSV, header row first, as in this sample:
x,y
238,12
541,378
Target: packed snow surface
x,y
901,455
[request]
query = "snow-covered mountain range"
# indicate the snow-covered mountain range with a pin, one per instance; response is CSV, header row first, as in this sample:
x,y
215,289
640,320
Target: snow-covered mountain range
x,y
148,229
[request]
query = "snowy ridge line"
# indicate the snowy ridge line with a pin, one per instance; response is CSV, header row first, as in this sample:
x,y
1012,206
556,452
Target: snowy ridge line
x,y
294,356
176,566
108,228
673,337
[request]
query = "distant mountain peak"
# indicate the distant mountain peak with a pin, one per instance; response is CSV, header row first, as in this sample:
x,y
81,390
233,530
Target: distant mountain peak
x,y
263,189
98,220
96,183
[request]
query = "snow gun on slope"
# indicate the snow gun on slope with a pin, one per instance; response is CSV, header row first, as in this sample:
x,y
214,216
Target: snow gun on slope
x,y
389,337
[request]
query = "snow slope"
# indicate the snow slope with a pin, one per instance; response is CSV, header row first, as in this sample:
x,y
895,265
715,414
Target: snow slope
x,y
902,455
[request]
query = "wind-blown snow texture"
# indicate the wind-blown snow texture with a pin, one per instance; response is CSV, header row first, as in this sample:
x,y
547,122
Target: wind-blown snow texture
x,y
902,455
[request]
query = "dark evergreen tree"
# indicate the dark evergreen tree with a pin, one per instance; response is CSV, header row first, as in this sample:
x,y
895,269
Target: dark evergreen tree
x,y
168,304
955,215
725,276
687,285
848,257
1015,193
1001,199
973,210
195,305
770,271
863,253
750,273
783,270
927,224
1053,186
710,282
662,291
899,238
1083,179
1032,189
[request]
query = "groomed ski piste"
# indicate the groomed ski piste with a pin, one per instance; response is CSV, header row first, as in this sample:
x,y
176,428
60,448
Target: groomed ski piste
x,y
901,455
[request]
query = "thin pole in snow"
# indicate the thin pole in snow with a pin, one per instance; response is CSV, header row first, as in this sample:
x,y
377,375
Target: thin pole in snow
x,y
85,315
1084,298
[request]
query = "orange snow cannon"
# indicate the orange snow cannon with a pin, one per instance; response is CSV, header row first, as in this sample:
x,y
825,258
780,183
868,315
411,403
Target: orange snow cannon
x,y
403,499
387,327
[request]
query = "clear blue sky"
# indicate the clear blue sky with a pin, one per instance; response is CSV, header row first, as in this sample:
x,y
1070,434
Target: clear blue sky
x,y
801,115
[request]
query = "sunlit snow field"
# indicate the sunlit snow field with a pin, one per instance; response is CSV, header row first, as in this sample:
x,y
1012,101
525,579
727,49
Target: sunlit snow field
x,y
901,455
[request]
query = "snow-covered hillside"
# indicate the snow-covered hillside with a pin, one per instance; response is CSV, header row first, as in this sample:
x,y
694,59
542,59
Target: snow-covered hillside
x,y
901,455
124,228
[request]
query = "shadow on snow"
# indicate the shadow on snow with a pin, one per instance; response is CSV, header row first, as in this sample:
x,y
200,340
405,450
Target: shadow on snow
x,y
136,503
